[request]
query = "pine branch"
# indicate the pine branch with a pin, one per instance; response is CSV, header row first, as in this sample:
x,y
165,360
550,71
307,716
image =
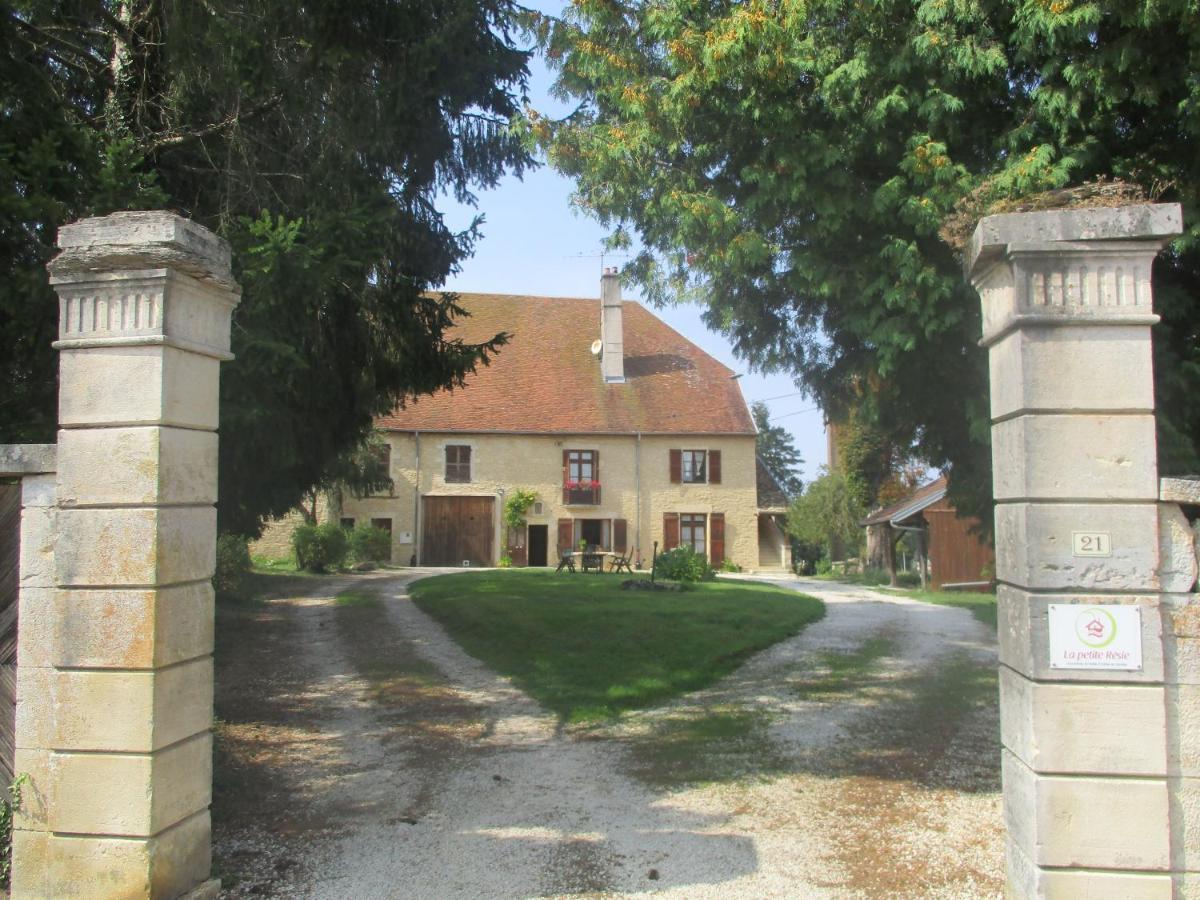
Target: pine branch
x,y
179,138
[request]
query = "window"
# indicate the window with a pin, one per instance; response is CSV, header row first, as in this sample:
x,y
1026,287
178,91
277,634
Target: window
x,y
538,509
581,476
694,468
347,523
382,456
581,466
691,532
458,463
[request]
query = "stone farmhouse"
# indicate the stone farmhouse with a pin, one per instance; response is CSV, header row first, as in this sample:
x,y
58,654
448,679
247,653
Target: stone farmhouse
x,y
627,433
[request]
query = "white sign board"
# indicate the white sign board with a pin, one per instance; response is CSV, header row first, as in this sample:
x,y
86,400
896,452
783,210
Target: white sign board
x,y
1091,543
1095,637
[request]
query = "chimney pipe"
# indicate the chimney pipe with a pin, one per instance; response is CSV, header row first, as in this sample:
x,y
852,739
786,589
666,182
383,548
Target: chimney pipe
x,y
612,339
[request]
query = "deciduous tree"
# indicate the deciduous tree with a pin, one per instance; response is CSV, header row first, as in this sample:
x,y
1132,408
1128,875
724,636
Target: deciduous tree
x,y
827,515
315,137
798,166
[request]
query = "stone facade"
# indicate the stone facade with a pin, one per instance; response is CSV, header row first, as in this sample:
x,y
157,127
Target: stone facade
x,y
635,482
1098,786
115,679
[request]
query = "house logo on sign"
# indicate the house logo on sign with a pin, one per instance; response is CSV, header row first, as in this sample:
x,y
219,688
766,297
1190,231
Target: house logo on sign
x,y
1096,628
1095,637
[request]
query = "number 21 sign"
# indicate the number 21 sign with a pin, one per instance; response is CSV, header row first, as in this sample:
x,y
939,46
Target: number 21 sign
x,y
1091,543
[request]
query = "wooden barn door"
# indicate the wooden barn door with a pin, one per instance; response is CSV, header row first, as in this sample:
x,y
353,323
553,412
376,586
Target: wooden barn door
x,y
457,529
10,549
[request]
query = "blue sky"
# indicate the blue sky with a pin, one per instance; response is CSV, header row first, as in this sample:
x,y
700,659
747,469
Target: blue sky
x,y
535,242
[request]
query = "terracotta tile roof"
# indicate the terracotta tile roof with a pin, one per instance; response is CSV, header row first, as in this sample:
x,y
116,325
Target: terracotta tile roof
x,y
547,380
924,497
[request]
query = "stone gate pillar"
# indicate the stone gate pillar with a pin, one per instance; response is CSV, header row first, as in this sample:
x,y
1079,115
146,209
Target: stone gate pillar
x,y
115,683
1083,551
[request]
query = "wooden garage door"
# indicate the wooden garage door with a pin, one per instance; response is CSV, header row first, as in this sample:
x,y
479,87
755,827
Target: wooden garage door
x,y
457,529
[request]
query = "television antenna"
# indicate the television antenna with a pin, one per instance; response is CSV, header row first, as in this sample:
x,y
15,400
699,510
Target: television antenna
x,y
602,256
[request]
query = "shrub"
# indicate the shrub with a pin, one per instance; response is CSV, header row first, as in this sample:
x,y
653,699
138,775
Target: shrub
x,y
805,556
730,566
506,562
683,564
370,544
874,577
320,547
823,566
231,580
7,808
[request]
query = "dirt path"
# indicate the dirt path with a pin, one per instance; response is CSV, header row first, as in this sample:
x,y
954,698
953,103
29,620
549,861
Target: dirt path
x,y
857,759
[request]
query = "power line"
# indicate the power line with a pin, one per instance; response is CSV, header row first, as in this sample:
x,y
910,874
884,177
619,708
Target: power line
x,y
780,397
796,413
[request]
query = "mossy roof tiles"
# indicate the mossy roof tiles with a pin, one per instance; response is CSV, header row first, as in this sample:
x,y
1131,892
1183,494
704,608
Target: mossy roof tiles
x,y
546,380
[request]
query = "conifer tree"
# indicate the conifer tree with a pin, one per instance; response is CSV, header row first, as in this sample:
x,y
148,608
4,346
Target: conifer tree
x,y
777,449
317,138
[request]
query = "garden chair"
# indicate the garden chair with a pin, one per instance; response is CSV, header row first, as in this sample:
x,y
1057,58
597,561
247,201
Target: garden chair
x,y
592,562
621,562
566,561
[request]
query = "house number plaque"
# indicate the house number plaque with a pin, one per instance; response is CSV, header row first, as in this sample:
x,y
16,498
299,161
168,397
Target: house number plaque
x,y
1091,543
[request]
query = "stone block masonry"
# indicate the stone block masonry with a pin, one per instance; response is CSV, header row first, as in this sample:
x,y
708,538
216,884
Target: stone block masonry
x,y
114,709
1099,794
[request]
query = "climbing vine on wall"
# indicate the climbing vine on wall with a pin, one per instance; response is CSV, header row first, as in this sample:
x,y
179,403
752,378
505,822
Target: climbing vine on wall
x,y
517,505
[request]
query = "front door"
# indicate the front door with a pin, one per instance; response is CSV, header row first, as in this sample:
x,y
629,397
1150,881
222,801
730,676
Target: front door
x,y
538,543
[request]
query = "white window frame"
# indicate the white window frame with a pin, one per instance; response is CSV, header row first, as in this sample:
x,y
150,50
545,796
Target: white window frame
x,y
687,466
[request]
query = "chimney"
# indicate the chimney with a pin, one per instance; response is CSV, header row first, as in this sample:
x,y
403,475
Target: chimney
x,y
612,340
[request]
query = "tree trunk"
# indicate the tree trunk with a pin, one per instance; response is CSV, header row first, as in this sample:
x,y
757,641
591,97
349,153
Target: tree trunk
x,y
923,558
878,538
889,538
133,107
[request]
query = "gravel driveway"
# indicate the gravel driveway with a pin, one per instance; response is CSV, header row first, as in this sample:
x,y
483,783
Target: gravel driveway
x,y
362,754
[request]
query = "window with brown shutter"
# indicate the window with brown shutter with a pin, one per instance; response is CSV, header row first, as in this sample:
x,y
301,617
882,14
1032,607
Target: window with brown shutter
x,y
566,530
619,535
716,538
714,466
670,531
694,466
676,457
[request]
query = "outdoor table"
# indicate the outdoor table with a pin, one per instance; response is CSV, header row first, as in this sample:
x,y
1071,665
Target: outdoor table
x,y
589,559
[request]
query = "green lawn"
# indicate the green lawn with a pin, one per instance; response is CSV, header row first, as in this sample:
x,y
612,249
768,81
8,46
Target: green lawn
x,y
588,650
982,606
